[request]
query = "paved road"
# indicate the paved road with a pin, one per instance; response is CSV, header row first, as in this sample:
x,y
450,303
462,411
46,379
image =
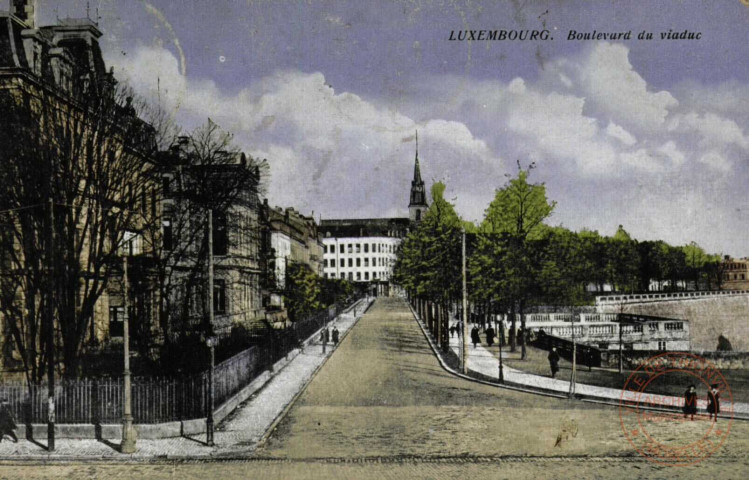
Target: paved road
x,y
382,407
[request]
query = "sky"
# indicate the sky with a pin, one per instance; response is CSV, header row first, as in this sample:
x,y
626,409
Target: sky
x,y
649,134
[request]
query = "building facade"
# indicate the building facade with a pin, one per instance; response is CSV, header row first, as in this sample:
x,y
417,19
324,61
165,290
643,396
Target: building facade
x,y
735,274
76,143
220,195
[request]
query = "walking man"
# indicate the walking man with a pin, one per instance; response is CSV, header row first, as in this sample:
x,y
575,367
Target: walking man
x,y
475,336
490,336
553,362
335,335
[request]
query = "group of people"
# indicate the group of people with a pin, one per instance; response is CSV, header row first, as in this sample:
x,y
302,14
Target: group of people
x,y
475,333
713,402
325,335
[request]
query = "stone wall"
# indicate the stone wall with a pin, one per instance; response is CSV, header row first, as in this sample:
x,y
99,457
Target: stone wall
x,y
708,318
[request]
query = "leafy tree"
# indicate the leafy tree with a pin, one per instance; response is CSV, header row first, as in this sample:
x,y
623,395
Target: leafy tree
x,y
512,220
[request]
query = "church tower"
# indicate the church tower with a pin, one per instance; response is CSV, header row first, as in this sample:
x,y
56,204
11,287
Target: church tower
x,y
417,207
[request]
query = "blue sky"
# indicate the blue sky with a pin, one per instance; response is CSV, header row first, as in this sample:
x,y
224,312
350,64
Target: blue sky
x,y
647,134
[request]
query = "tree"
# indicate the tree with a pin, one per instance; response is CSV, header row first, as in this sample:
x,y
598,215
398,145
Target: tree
x,y
513,218
90,154
201,172
429,260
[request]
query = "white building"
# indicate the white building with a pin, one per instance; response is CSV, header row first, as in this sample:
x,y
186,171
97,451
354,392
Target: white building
x,y
362,250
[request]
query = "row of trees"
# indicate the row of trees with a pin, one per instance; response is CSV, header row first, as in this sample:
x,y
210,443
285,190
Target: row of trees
x,y
306,293
516,261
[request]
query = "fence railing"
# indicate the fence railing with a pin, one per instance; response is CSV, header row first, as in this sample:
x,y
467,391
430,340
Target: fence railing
x,y
157,400
660,297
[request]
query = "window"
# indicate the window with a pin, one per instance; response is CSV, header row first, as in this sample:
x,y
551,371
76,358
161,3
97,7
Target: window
x,y
350,248
325,264
166,238
116,321
366,262
343,262
366,248
662,346
358,275
358,262
219,296
653,327
366,275
220,240
341,248
350,262
350,275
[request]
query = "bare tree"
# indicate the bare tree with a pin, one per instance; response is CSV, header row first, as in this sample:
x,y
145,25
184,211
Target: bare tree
x,y
90,154
201,172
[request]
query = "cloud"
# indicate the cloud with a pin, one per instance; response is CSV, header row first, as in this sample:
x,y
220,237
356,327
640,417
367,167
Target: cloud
x,y
615,131
611,149
333,152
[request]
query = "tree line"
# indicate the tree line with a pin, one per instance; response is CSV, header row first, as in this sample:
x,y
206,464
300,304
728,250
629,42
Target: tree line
x,y
516,260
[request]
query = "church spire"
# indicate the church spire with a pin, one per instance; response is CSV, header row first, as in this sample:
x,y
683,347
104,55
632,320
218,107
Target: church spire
x,y
417,169
418,205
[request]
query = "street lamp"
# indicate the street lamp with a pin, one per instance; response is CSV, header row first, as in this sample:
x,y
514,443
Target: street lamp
x,y
211,343
128,431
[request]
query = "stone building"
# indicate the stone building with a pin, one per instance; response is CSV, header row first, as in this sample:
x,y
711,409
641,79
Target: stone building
x,y
89,155
219,194
735,274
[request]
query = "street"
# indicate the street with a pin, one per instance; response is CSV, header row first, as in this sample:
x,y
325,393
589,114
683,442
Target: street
x,y
382,407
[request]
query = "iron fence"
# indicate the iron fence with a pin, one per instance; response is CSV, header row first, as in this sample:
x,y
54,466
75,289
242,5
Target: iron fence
x,y
156,400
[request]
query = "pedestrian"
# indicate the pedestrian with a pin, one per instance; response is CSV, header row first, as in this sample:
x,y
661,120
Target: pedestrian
x,y
713,402
553,362
475,335
336,335
452,330
690,401
7,423
490,336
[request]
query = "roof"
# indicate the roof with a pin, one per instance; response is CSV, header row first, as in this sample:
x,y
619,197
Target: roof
x,y
365,227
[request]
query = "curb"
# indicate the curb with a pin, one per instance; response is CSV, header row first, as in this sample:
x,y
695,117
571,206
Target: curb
x,y
538,391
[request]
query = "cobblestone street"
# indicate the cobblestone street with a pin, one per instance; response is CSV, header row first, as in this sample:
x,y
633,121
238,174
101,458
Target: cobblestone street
x,y
382,407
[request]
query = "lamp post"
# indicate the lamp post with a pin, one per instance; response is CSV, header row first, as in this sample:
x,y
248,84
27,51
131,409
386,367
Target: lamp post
x,y
128,431
501,331
50,319
211,344
464,350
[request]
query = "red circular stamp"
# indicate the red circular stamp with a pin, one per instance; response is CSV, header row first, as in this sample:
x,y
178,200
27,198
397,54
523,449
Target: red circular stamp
x,y
676,409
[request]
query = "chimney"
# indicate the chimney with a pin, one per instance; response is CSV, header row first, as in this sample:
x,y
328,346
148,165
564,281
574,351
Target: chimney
x,y
24,10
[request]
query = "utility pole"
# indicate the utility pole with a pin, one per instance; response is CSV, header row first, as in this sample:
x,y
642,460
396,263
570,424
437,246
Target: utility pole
x,y
465,309
50,314
128,431
501,332
573,376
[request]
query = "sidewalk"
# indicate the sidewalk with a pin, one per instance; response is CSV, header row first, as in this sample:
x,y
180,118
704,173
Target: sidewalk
x,y
238,434
486,363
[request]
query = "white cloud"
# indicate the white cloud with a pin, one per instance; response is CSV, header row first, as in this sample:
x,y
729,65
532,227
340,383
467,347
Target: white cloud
x,y
611,148
610,81
615,131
